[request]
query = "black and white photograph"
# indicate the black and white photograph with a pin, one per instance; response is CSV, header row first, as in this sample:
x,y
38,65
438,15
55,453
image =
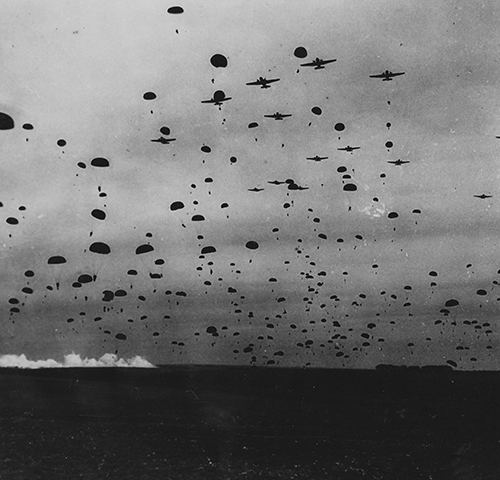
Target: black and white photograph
x,y
249,240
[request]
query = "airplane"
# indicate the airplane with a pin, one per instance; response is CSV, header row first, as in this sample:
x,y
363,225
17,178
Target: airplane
x,y
398,162
255,189
276,182
317,63
316,158
217,98
164,140
294,186
483,196
278,115
349,148
263,82
387,75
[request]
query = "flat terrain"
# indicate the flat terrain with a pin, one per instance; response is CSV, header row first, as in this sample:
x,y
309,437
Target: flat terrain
x,y
237,422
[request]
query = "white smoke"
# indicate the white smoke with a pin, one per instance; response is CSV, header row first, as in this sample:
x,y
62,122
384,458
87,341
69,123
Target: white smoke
x,y
74,360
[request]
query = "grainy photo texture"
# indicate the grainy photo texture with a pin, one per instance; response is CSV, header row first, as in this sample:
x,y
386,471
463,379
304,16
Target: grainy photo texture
x,y
249,240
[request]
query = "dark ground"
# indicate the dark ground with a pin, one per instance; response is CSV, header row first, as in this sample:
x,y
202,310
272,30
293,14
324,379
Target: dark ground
x,y
248,423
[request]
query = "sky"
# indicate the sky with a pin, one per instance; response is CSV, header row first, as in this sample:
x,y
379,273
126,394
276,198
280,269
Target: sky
x,y
346,262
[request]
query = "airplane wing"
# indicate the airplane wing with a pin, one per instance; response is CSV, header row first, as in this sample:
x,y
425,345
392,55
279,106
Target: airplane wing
x,y
254,83
269,116
310,64
208,101
273,80
286,115
324,62
397,74
380,75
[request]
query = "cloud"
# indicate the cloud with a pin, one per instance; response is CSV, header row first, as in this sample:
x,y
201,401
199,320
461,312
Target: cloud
x,y
73,360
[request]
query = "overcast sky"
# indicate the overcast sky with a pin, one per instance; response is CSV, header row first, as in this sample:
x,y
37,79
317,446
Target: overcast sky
x,y
338,279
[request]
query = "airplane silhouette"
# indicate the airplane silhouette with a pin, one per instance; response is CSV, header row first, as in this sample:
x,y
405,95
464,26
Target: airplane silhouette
x,y
316,158
483,196
278,115
217,98
349,148
164,140
387,75
263,82
255,189
276,182
398,162
318,63
294,186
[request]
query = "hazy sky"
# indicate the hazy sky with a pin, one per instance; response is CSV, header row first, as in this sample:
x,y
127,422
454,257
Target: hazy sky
x,y
337,279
